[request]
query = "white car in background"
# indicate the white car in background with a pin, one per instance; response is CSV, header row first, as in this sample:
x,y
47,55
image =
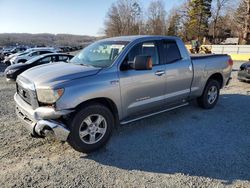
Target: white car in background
x,y
29,54
8,58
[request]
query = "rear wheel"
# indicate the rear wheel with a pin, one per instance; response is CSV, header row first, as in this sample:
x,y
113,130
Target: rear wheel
x,y
210,95
91,128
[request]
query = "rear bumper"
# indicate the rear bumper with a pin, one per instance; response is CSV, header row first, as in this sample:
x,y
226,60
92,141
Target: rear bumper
x,y
38,122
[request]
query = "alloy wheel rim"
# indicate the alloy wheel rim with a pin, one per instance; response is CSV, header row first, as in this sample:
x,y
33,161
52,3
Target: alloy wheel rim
x,y
212,94
93,128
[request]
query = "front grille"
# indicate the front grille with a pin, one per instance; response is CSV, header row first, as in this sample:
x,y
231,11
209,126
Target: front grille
x,y
24,93
26,90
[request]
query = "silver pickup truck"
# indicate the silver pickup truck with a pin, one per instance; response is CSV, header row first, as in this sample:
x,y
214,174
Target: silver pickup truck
x,y
116,81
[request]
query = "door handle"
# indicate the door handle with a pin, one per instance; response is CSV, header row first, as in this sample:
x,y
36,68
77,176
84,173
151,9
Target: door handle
x,y
190,67
160,72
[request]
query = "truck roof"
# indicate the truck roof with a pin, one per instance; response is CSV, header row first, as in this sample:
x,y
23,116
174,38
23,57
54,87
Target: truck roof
x,y
136,37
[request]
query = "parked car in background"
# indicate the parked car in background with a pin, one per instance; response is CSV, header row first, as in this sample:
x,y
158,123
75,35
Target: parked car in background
x,y
12,50
58,50
244,72
113,81
80,47
4,52
16,49
27,56
8,58
13,71
69,48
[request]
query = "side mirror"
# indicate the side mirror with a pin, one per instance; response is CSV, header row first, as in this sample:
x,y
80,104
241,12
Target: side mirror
x,y
142,63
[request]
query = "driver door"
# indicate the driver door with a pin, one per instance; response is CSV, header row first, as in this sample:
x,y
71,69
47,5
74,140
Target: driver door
x,y
142,90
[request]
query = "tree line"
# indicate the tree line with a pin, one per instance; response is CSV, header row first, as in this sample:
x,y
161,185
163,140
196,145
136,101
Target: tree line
x,y
211,21
44,39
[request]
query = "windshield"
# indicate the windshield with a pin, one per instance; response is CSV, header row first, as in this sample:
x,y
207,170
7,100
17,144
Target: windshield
x,y
99,54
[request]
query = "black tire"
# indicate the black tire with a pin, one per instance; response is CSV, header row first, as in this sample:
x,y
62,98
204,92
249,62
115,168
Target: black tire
x,y
74,138
203,101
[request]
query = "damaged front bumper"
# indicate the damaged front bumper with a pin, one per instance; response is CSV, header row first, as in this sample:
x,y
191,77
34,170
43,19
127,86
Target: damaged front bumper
x,y
42,120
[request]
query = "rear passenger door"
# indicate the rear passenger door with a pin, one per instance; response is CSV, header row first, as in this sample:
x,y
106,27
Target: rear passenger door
x,y
179,73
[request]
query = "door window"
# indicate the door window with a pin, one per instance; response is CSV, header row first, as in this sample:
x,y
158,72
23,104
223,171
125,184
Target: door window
x,y
145,48
170,52
44,60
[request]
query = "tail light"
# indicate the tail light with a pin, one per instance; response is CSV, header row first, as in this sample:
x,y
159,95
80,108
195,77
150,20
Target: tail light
x,y
230,62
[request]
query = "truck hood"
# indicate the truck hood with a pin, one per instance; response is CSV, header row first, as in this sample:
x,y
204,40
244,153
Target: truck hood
x,y
56,73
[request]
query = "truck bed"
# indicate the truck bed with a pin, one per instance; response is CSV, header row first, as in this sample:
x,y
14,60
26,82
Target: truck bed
x,y
204,56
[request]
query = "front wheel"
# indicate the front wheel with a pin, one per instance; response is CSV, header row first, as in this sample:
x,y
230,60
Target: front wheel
x,y
210,95
91,128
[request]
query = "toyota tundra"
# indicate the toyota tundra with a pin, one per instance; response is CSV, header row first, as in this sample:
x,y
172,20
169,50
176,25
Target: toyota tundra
x,y
116,81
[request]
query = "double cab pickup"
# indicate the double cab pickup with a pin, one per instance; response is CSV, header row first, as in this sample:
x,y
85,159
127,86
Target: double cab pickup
x,y
116,81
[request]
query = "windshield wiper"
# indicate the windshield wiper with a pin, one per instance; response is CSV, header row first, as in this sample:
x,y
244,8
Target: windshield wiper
x,y
84,64
87,65
77,63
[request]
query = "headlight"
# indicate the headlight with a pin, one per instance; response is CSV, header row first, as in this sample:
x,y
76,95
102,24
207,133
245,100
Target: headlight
x,y
11,71
49,96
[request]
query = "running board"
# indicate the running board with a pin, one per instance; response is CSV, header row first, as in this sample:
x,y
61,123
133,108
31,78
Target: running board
x,y
152,114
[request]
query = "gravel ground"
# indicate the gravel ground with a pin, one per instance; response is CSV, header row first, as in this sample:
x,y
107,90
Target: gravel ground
x,y
188,147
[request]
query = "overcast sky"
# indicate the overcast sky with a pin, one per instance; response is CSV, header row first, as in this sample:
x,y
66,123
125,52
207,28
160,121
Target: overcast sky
x,y
83,17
